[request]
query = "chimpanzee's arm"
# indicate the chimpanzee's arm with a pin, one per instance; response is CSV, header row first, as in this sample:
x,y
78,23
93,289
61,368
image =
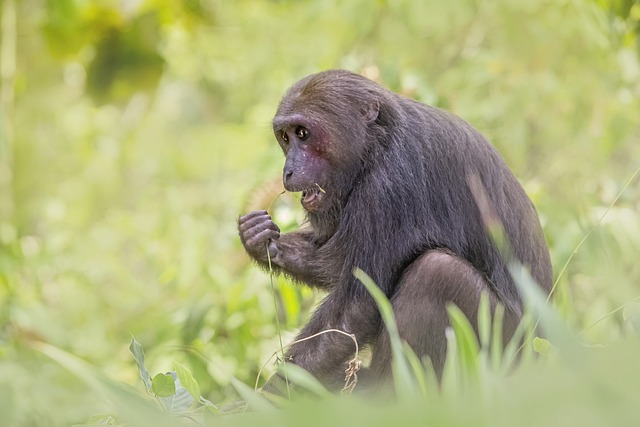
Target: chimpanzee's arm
x,y
291,253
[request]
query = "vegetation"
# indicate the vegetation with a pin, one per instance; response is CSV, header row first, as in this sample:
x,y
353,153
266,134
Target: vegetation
x,y
134,133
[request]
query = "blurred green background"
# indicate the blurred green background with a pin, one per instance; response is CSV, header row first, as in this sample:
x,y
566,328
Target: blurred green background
x,y
134,133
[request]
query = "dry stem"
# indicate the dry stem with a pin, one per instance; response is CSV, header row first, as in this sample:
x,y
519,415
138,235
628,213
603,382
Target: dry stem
x,y
351,373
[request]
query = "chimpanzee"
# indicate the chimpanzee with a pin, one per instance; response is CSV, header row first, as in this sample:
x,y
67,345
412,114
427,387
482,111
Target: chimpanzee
x,y
385,185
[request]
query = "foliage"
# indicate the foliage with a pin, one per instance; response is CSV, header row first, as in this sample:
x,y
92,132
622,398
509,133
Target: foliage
x,y
470,380
134,133
624,17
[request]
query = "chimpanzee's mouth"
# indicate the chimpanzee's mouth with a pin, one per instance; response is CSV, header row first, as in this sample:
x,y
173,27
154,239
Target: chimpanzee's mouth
x,y
312,198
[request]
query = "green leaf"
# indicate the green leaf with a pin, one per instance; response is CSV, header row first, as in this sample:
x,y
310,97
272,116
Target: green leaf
x,y
163,385
426,380
138,353
513,349
178,403
496,355
484,321
542,346
187,380
450,383
550,321
466,340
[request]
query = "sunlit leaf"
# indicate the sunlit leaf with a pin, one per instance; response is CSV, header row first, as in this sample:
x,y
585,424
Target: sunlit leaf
x,y
187,380
163,385
178,402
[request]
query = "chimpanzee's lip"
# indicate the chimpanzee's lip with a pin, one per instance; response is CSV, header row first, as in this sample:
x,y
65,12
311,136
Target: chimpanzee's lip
x,y
311,198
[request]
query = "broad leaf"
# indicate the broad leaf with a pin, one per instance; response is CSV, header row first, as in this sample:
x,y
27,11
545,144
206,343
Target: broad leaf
x,y
163,385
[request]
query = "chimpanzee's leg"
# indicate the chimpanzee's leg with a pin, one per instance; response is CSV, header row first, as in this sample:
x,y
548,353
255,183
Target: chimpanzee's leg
x,y
419,303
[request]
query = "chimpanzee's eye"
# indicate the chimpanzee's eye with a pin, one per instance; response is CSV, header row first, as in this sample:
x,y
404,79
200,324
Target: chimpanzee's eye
x,y
302,133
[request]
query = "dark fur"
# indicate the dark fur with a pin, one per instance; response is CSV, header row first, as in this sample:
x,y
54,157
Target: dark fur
x,y
398,206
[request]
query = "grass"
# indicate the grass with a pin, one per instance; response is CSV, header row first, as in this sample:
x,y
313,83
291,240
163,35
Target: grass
x,y
559,381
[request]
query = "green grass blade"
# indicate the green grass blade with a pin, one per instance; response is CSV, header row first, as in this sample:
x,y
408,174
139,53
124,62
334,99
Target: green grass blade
x,y
305,381
484,321
466,341
255,401
404,382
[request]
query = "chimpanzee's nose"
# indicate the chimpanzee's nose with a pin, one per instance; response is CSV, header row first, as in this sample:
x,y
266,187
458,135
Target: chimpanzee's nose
x,y
287,176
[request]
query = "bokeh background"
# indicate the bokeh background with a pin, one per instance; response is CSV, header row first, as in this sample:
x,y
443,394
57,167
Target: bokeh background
x,y
134,133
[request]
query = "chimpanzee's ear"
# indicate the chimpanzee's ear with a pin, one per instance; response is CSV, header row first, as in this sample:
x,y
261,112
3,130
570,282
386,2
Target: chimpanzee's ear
x,y
370,111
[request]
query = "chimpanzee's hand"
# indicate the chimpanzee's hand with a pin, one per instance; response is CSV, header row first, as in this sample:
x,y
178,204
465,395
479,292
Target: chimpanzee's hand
x,y
257,229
